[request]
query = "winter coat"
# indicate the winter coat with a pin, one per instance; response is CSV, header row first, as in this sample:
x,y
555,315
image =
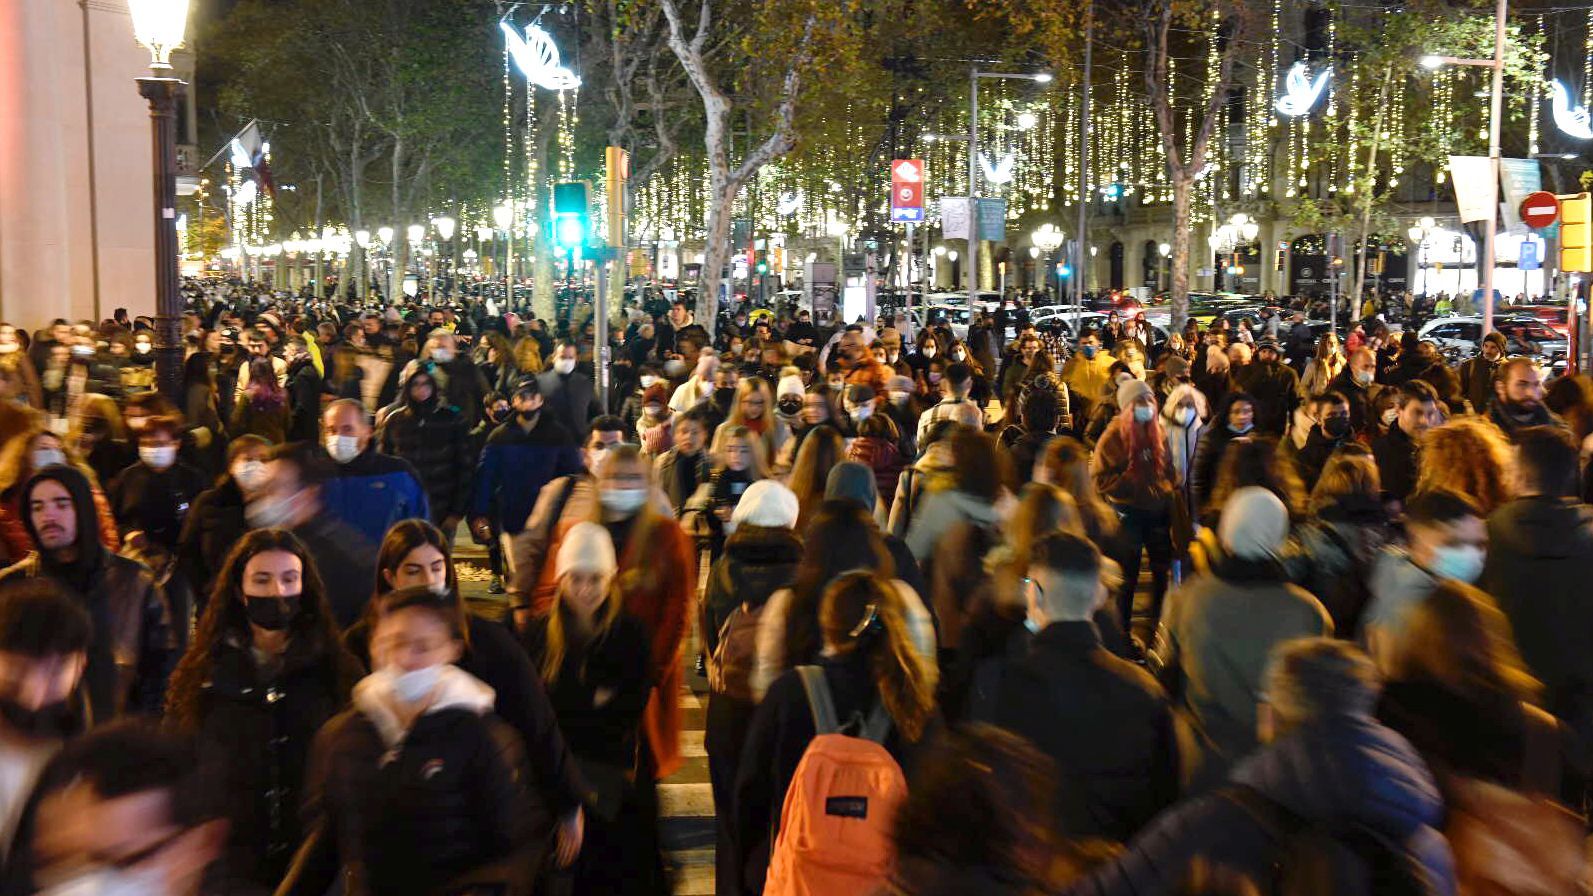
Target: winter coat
x,y
373,491
1109,469
269,422
305,385
1396,454
781,730
881,456
1361,399
1333,555
657,581
256,730
515,464
1398,586
1332,773
1275,388
773,661
464,387
1105,723
1509,424
1477,376
1538,569
135,644
155,502
757,562
1183,448
346,562
1311,459
214,524
938,511
571,399
678,480
435,440
1212,647
14,526
1208,460
608,731
410,811
1022,449
496,658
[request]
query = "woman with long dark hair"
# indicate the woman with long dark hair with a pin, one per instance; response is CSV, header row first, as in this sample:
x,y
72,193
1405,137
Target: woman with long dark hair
x,y
262,409
266,669
414,554
1134,472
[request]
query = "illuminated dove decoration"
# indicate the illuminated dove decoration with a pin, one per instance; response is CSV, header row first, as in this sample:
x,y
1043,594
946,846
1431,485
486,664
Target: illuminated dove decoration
x,y
1573,120
538,58
788,203
998,172
1299,93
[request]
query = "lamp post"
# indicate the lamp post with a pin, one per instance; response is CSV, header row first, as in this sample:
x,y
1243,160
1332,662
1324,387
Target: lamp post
x,y
973,166
159,26
444,226
415,234
1418,233
503,219
385,235
1047,239
1490,229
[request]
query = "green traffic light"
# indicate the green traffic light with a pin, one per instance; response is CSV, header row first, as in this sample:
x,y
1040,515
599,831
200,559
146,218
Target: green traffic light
x,y
569,230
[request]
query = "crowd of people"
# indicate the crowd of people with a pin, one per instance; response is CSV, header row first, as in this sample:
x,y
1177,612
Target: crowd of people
x,y
1216,613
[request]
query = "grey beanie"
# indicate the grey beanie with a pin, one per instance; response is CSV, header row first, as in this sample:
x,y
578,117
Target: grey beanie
x,y
854,482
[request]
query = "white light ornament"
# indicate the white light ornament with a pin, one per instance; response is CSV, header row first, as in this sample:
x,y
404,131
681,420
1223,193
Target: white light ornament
x,y
1572,120
788,203
537,57
999,171
1301,94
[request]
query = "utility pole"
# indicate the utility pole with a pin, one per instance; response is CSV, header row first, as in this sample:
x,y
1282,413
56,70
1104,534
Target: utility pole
x,y
1084,158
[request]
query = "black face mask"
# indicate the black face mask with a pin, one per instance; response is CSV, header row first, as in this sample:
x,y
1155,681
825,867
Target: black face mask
x,y
723,397
1336,427
790,406
528,416
499,415
271,613
51,720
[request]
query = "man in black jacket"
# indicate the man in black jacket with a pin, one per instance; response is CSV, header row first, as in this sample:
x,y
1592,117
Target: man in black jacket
x,y
304,391
134,646
1478,374
1397,450
1273,385
568,395
1355,384
297,475
461,383
1518,399
435,440
1333,430
1104,721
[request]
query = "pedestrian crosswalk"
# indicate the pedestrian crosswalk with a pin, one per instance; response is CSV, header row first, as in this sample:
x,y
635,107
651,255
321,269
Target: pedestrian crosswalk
x,y
686,808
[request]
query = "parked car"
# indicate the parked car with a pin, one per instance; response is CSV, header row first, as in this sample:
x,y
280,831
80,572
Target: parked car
x,y
1527,336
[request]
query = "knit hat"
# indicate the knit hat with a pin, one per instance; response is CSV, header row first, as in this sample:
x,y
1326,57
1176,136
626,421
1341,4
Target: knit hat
x,y
1498,339
899,384
585,548
1254,524
1131,391
858,393
789,385
766,503
852,481
1267,343
1176,366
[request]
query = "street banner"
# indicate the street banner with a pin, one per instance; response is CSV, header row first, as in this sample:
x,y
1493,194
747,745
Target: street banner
x,y
1520,178
992,220
1470,175
907,191
956,219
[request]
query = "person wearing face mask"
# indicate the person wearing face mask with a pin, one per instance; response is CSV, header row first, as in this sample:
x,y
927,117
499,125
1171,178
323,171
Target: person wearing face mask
x,y
1274,386
154,495
44,643
657,582
859,404
22,456
1446,539
1357,385
568,395
788,395
631,409
216,520
1518,399
262,409
435,439
698,387
654,424
305,383
753,408
419,784
956,404
1133,471
458,379
594,657
372,490
265,671
134,643
1183,419
1086,373
1335,428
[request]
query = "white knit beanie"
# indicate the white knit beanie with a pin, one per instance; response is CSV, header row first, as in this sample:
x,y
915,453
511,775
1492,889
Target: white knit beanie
x,y
789,385
766,503
586,548
1254,524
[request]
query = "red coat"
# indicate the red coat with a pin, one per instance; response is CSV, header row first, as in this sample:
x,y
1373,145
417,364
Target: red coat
x,y
658,585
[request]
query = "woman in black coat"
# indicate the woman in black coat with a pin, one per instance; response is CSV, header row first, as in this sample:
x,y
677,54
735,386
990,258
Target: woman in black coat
x,y
595,660
436,440
415,555
265,671
1235,419
216,521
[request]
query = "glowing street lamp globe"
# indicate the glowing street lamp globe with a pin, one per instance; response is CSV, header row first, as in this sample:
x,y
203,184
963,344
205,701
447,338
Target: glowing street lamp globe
x,y
159,26
385,234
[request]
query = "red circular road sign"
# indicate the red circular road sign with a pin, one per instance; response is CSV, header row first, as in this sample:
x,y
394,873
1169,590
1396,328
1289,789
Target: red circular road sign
x,y
1540,209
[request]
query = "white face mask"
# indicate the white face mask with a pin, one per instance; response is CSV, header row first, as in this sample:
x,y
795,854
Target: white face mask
x,y
900,398
111,882
648,380
442,355
564,365
414,686
862,412
622,501
158,457
249,474
48,457
1390,415
343,448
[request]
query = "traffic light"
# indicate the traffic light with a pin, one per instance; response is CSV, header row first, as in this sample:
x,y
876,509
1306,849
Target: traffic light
x,y
1277,264
1576,232
763,266
572,213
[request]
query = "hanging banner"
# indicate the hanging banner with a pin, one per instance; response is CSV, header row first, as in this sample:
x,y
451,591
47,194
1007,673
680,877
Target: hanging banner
x,y
956,219
992,220
1520,178
1470,175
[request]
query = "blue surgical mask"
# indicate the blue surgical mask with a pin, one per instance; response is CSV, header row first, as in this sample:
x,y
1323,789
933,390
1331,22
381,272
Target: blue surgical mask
x,y
1143,414
1088,351
1463,563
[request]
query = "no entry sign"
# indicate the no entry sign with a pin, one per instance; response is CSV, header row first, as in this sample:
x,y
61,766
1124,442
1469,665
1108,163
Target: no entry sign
x,y
1540,209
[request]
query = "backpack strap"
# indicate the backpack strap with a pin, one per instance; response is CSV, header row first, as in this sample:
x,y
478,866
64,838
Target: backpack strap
x,y
820,703
877,726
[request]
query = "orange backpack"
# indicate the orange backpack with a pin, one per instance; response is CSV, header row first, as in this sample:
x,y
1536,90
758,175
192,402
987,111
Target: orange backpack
x,y
835,824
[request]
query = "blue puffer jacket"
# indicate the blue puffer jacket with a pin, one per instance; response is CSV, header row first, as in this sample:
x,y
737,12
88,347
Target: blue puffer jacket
x,y
516,464
373,491
1336,773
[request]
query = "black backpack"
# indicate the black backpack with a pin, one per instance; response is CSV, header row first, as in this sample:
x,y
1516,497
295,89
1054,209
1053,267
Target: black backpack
x,y
1311,859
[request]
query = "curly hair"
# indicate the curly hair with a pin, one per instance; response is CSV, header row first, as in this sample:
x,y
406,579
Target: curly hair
x,y
1471,456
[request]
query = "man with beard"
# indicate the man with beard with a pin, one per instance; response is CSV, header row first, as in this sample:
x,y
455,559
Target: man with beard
x,y
1274,386
1477,375
1518,399
133,647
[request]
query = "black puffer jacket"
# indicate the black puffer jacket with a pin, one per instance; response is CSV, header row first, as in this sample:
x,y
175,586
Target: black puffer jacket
x,y
410,811
435,439
257,732
214,525
155,502
757,562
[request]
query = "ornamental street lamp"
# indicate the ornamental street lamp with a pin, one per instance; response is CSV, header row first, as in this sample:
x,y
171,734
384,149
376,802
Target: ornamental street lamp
x,y
444,226
1419,234
159,26
503,219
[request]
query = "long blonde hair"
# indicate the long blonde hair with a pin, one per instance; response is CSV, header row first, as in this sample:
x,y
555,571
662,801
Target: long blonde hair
x,y
1471,456
862,612
758,466
527,356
